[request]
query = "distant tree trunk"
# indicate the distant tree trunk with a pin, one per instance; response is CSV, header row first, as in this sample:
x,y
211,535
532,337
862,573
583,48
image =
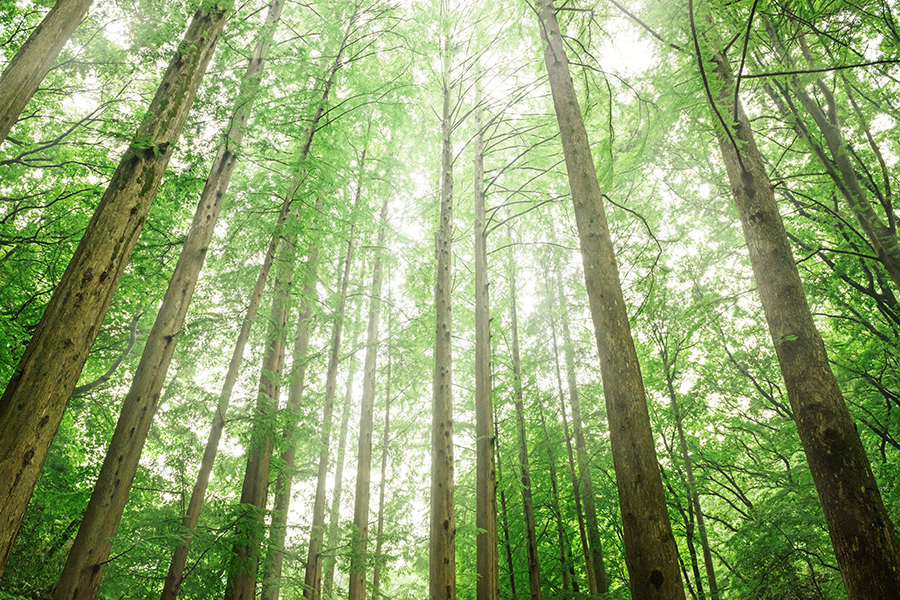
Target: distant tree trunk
x,y
589,568
213,194
487,562
861,531
554,505
358,559
534,567
27,69
33,404
650,550
385,439
504,519
313,576
334,515
442,547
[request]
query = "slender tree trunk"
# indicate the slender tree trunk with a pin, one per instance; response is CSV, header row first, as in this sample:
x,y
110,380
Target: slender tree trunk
x,y
861,531
313,575
213,193
385,439
486,561
589,569
534,567
650,550
334,515
358,560
442,547
35,399
554,505
25,72
503,514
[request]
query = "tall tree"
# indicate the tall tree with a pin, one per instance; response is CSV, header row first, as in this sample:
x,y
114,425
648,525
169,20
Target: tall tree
x,y
385,438
861,531
25,72
36,397
651,553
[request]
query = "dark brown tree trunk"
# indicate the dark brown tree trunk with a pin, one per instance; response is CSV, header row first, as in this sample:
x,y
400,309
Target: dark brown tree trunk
x,y
442,546
486,562
861,531
25,72
359,560
213,193
650,550
35,399
534,566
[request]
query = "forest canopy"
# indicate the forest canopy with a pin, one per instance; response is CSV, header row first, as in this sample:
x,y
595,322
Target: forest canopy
x,y
451,299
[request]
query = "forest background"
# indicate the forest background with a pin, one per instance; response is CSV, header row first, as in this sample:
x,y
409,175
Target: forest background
x,y
342,163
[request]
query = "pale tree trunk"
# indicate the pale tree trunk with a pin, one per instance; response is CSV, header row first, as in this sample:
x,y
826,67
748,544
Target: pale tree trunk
x,y
213,193
486,559
334,515
366,427
35,399
554,505
27,69
503,515
313,575
385,439
861,532
442,546
650,550
589,569
534,567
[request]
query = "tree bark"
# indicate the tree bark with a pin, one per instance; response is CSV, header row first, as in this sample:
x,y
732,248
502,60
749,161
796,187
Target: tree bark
x,y
385,438
534,566
358,558
33,404
507,543
861,532
442,546
650,550
27,69
555,507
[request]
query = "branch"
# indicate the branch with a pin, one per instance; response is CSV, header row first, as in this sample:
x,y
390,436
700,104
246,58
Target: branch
x,y
84,389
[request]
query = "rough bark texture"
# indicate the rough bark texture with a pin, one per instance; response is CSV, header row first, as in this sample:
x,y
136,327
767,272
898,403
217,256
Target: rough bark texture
x,y
861,532
366,427
25,72
534,567
486,560
213,194
650,550
35,399
442,547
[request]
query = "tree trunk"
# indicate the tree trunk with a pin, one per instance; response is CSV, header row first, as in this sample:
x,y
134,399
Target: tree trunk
x,y
366,427
27,69
555,507
861,531
35,399
442,546
213,192
486,562
650,550
503,514
534,566
334,515
385,438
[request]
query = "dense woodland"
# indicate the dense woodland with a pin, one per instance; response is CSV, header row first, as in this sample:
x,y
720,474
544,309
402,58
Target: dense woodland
x,y
449,299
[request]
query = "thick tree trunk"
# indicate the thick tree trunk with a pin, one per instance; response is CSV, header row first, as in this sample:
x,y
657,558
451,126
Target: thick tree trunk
x,y
213,193
442,547
334,515
313,573
35,399
486,560
861,532
25,72
385,439
650,550
534,566
366,428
